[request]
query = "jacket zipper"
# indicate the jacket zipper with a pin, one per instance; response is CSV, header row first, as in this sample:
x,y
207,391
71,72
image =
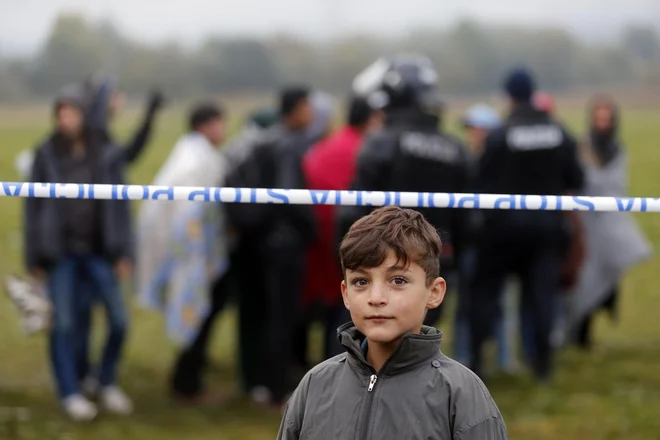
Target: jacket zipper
x,y
367,407
370,397
372,382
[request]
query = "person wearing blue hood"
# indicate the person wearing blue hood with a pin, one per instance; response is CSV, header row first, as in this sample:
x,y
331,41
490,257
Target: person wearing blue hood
x,y
101,102
531,153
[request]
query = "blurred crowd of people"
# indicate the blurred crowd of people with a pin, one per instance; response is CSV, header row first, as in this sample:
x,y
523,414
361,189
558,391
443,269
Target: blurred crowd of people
x,y
539,276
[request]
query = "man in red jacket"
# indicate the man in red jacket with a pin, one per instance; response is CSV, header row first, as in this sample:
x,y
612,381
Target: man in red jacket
x,y
330,165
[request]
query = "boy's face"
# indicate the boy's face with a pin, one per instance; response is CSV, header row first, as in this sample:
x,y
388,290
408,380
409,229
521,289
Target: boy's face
x,y
389,301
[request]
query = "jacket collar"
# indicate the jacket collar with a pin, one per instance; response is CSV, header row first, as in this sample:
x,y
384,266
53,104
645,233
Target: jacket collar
x,y
413,349
526,111
412,119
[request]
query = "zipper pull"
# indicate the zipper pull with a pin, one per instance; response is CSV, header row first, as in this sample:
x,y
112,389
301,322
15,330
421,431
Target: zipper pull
x,y
372,382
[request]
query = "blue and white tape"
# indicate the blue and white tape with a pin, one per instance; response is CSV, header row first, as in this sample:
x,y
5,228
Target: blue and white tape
x,y
321,197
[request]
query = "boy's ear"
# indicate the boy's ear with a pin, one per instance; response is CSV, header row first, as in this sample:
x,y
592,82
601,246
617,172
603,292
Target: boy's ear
x,y
438,288
344,294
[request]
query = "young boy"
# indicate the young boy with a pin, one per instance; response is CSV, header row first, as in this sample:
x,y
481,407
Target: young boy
x,y
393,382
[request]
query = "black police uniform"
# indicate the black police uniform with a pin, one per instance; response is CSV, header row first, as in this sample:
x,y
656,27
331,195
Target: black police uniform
x,y
411,154
529,154
272,244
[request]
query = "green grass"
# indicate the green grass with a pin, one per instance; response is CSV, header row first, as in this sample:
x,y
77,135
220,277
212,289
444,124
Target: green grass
x,y
611,393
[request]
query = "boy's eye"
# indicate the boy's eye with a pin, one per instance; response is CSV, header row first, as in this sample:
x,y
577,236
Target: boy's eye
x,y
359,282
399,281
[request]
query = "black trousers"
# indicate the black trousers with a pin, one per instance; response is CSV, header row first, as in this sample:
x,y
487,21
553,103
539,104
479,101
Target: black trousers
x,y
535,257
283,283
248,268
187,375
584,337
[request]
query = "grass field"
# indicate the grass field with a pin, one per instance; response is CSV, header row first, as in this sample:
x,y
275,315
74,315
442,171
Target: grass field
x,y
611,393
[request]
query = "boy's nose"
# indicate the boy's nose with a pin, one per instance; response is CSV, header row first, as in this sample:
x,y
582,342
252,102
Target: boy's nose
x,y
378,295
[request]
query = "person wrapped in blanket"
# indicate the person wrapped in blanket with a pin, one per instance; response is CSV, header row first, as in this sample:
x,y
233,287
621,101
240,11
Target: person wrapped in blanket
x,y
182,252
614,242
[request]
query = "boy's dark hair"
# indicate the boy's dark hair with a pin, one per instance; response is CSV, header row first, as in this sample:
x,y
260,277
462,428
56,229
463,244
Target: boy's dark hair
x,y
203,113
405,231
359,112
291,97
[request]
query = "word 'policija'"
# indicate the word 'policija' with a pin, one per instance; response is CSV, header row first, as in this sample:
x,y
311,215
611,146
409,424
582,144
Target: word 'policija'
x,y
321,197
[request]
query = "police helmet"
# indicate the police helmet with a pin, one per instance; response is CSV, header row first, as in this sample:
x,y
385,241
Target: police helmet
x,y
400,82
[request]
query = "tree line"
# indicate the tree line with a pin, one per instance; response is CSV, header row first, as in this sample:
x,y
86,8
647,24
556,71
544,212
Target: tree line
x,y
470,57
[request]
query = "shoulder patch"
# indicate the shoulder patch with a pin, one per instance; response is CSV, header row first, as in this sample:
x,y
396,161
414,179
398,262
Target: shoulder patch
x,y
430,146
534,137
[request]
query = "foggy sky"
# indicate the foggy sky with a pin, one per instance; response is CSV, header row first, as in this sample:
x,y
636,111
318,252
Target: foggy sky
x,y
25,23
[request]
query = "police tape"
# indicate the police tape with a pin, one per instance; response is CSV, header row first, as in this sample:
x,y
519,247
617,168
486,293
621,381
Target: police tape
x,y
329,197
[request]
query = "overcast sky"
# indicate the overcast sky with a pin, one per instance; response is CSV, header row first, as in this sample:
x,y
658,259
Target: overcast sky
x,y
25,23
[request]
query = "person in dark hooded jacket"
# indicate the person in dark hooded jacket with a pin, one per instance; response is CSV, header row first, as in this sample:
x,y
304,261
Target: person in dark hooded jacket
x,y
73,241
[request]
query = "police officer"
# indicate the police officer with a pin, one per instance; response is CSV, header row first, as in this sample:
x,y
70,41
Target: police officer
x,y
530,154
409,153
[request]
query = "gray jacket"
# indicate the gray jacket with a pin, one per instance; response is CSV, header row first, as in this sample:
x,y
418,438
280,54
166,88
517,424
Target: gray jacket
x,y
419,394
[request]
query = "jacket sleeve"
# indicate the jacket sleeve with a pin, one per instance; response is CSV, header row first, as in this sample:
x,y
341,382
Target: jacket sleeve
x,y
294,414
33,206
491,161
492,428
135,147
